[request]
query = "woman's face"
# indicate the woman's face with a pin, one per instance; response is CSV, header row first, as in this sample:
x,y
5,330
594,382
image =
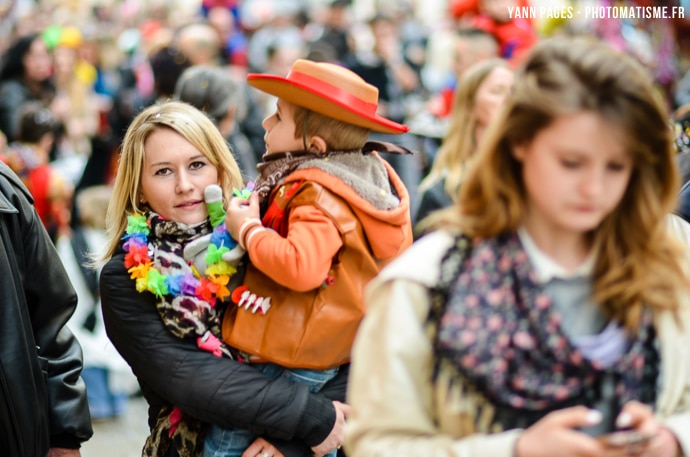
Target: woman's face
x,y
575,172
492,94
38,64
174,177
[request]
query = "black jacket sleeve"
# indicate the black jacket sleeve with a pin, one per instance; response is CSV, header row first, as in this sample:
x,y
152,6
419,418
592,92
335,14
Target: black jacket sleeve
x,y
335,389
213,389
52,300
38,299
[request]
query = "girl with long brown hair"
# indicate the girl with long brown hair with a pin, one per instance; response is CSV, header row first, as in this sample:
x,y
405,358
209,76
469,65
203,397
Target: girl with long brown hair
x,y
549,311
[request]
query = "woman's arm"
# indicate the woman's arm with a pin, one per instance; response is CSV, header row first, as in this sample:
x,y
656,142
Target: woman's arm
x,y
390,389
216,390
673,404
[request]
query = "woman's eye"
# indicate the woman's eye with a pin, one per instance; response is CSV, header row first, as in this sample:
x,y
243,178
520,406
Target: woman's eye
x,y
197,165
163,172
616,166
570,164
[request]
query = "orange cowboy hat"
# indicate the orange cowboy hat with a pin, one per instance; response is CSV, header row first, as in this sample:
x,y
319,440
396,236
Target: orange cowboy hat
x,y
331,90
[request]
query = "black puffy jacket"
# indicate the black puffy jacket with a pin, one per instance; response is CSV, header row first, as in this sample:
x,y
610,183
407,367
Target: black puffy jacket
x,y
221,391
42,398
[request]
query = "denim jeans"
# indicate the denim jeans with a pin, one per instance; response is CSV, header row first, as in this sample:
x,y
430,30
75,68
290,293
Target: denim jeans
x,y
220,442
103,402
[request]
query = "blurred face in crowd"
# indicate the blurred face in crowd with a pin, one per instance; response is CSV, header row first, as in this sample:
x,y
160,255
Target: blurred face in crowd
x,y
472,49
38,65
492,93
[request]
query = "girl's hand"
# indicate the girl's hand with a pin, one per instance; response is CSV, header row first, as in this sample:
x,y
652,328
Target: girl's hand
x,y
640,417
262,448
556,434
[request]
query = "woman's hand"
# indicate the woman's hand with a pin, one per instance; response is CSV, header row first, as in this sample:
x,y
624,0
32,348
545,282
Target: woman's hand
x,y
261,448
556,434
640,417
335,439
61,452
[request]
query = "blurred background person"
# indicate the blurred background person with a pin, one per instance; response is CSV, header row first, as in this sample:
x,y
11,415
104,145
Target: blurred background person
x,y
233,43
329,34
76,104
167,65
29,157
390,63
216,91
25,75
281,26
200,43
515,34
109,380
470,45
482,92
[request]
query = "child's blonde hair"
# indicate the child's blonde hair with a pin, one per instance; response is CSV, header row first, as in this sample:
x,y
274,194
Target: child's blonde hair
x,y
638,261
195,127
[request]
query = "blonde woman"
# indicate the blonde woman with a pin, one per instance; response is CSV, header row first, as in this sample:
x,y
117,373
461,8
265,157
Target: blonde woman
x,y
171,152
482,91
550,314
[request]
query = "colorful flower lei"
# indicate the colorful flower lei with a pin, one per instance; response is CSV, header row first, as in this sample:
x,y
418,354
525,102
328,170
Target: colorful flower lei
x,y
210,287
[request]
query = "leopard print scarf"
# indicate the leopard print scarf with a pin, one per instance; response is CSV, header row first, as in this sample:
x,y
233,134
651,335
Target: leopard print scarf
x,y
185,316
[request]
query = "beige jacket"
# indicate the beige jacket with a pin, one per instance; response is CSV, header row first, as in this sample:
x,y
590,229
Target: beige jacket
x,y
396,410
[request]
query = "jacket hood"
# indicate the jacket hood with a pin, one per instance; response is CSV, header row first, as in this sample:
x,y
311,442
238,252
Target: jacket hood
x,y
375,193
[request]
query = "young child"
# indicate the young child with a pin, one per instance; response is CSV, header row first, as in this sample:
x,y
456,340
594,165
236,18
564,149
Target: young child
x,y
552,307
327,213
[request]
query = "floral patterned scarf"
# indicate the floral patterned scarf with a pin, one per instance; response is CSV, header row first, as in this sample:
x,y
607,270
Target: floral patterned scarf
x,y
499,331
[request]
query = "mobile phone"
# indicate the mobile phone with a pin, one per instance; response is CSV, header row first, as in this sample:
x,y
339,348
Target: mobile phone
x,y
625,438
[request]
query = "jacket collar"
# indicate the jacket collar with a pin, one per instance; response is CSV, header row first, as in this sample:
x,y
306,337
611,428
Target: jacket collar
x,y
6,206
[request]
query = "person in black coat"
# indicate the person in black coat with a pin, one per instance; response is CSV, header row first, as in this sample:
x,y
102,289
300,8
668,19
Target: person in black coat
x,y
44,410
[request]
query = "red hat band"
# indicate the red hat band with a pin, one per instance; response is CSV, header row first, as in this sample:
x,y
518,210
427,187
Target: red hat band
x,y
333,93
331,90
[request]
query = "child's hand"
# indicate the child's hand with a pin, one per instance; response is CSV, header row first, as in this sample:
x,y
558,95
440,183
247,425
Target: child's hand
x,y
240,210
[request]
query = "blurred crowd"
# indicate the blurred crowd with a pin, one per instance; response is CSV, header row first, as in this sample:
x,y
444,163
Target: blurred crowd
x,y
73,74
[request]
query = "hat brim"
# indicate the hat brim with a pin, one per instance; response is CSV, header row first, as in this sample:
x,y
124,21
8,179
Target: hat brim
x,y
322,103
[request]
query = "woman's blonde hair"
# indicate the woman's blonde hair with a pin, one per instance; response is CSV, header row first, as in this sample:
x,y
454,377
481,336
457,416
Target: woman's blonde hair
x,y
195,127
638,261
459,142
